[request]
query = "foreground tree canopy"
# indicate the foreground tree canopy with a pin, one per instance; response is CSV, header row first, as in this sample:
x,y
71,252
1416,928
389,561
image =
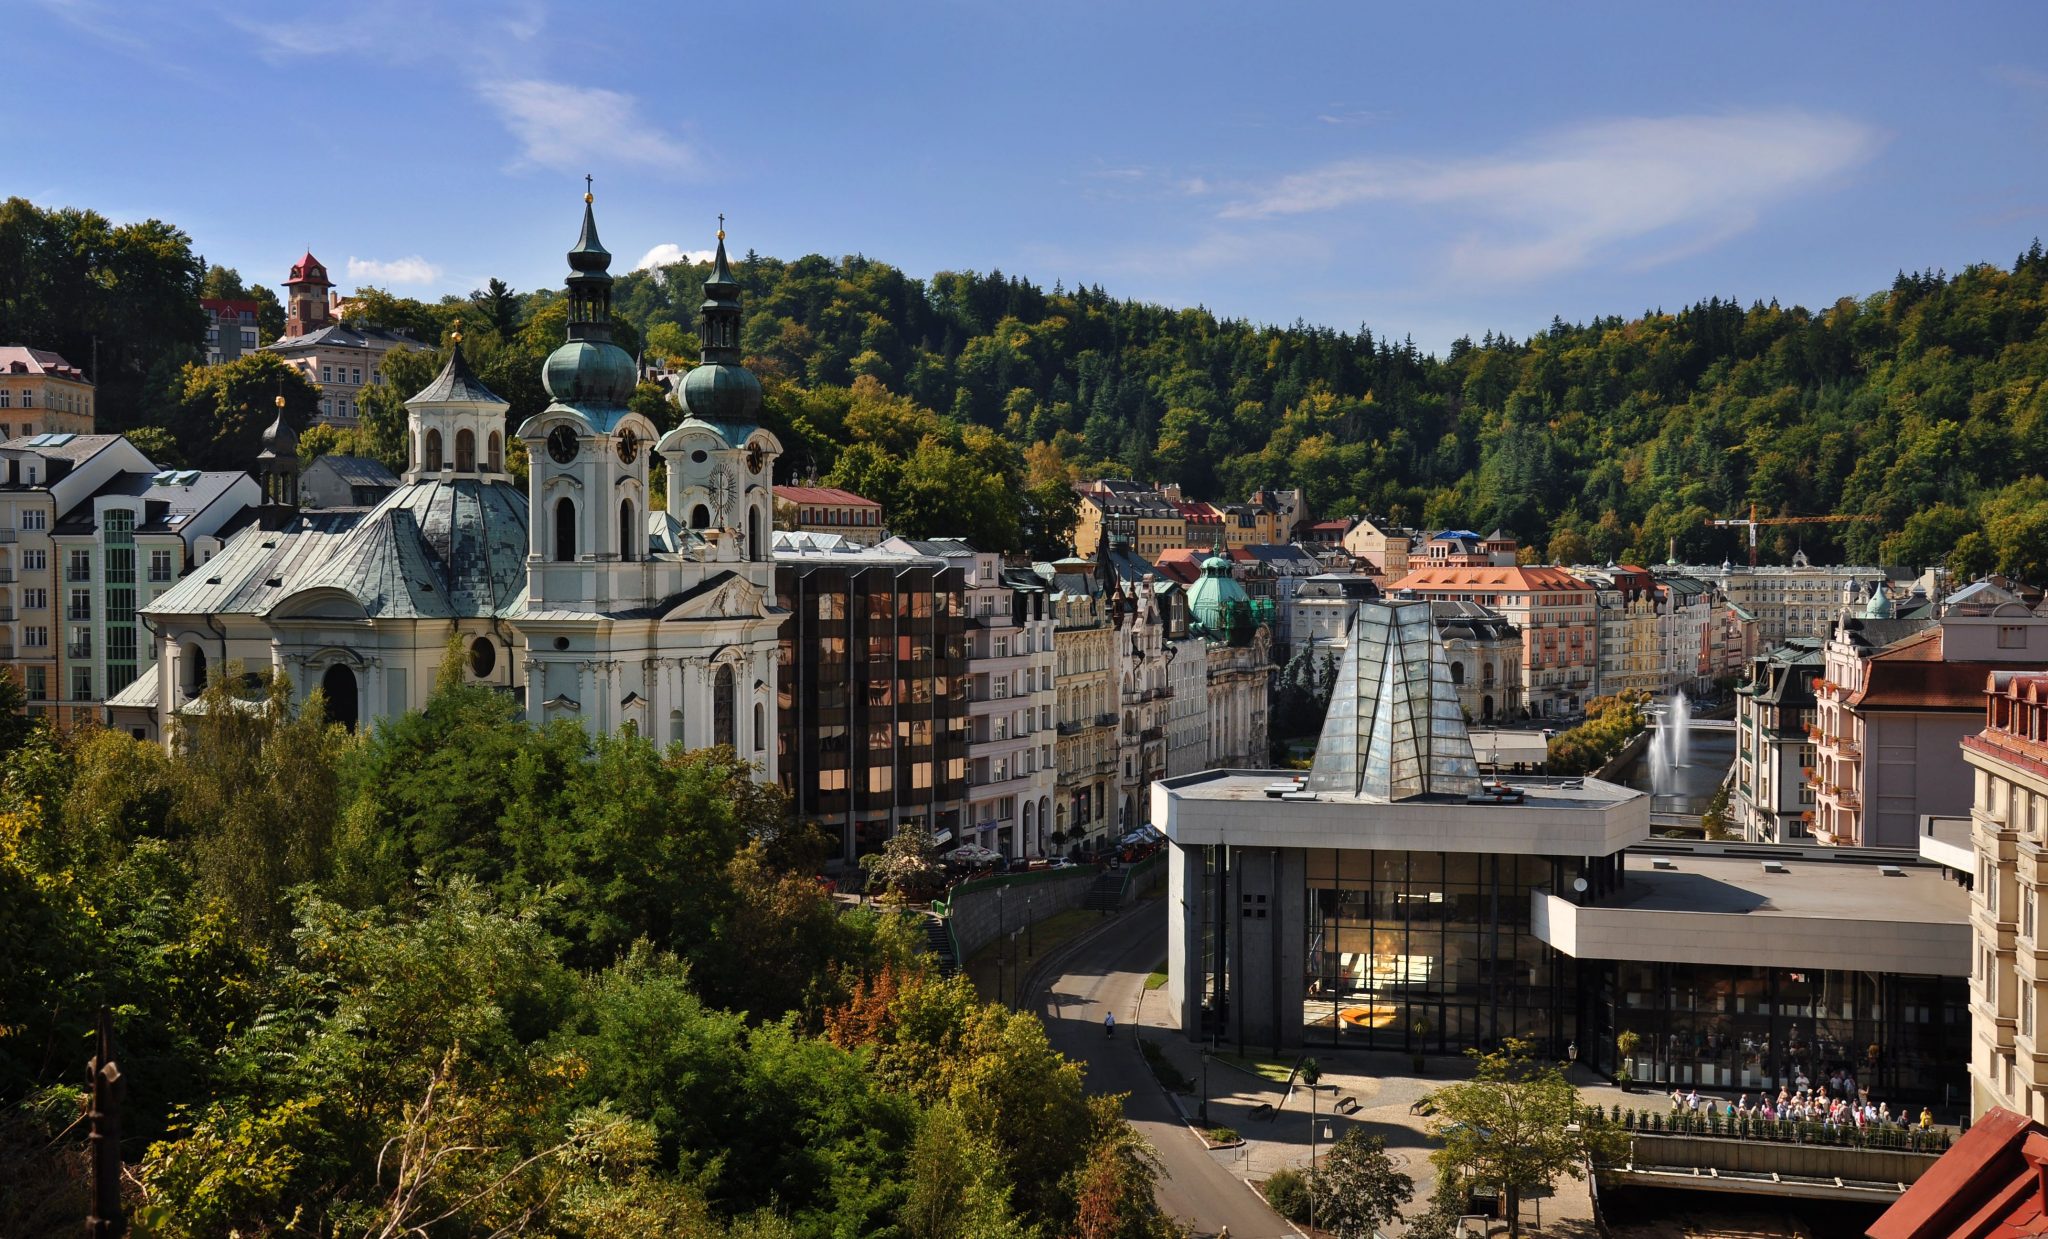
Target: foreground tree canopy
x,y
469,977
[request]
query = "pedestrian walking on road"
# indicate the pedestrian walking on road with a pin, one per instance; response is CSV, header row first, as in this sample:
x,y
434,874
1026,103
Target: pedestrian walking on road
x,y
1109,1024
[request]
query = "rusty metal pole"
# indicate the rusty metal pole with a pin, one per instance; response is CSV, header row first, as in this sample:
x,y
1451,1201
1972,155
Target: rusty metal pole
x,y
106,1221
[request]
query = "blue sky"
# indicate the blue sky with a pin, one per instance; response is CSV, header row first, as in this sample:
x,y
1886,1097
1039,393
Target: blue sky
x,y
1425,169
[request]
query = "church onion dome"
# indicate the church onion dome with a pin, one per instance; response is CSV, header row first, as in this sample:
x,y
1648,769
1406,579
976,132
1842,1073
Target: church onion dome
x,y
721,390
280,440
589,369
589,372
457,383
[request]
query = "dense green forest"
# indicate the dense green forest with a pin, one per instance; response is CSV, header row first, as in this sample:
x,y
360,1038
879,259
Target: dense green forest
x,y
471,977
966,402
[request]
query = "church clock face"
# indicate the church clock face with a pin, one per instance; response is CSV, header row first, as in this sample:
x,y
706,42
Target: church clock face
x,y
629,447
562,445
724,489
754,455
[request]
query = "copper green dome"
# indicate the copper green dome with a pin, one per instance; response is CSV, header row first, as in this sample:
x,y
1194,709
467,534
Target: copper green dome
x,y
1218,607
721,390
589,369
589,372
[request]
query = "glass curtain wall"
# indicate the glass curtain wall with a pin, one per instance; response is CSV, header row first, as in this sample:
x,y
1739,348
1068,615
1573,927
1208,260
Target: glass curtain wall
x,y
1430,952
1905,1038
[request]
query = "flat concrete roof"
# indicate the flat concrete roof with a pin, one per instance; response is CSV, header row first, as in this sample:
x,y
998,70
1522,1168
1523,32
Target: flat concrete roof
x,y
1578,817
1491,746
1949,841
1726,909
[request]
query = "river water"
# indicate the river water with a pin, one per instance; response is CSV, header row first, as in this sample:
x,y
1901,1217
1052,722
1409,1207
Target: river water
x,y
1688,787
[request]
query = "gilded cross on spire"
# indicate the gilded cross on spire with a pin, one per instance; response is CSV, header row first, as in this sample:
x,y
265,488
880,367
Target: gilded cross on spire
x,y
721,225
586,188
455,336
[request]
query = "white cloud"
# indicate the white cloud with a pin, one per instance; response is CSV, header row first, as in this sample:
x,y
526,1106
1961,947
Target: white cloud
x,y
1638,191
565,128
409,270
669,253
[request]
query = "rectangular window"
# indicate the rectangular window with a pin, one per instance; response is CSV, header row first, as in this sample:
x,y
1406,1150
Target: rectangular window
x,y
28,398
2012,637
81,605
327,374
35,561
159,565
38,684
121,609
81,684
34,518
6,399
35,599
78,567
355,376
36,635
248,337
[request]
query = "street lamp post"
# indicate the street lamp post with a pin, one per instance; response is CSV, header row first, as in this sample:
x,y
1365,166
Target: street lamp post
x,y
1205,1088
1030,931
1311,1072
1002,945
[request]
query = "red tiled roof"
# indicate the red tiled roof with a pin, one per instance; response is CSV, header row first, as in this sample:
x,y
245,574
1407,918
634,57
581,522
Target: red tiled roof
x,y
1513,579
1909,675
1988,1186
823,494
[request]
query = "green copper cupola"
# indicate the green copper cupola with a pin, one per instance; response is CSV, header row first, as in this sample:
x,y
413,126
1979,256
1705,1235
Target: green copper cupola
x,y
721,389
589,369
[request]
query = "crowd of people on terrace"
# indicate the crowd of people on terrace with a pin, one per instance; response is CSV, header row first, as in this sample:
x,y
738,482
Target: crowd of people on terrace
x,y
1838,1102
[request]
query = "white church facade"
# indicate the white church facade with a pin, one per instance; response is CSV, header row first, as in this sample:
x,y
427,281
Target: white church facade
x,y
572,593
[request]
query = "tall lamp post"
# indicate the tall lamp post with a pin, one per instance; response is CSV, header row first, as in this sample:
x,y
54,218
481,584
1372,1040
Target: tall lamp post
x,y
1311,1072
1002,945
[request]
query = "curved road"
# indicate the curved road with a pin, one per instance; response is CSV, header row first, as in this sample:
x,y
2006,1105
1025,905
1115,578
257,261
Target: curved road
x,y
1107,974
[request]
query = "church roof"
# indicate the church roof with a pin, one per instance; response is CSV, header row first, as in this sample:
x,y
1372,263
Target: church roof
x,y
456,384
432,550
248,574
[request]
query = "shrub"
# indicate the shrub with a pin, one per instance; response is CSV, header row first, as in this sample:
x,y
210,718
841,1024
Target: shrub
x,y
1222,1135
1287,1191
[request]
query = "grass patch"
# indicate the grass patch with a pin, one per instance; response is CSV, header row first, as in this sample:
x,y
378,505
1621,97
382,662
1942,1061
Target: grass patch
x,y
1156,981
1222,1135
1163,1069
1275,1069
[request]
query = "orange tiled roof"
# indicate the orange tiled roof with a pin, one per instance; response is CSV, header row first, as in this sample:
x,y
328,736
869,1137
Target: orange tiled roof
x,y
822,494
1512,579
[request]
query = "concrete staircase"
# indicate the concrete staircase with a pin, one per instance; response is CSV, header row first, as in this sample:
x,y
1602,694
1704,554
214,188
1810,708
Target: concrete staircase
x,y
1107,894
939,941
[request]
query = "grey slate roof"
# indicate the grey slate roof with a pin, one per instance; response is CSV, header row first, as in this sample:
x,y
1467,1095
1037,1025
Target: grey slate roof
x,y
167,505
432,549
456,384
141,693
355,471
248,574
340,335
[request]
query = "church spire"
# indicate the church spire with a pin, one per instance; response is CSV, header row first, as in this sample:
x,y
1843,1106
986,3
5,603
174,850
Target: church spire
x,y
721,309
590,279
721,389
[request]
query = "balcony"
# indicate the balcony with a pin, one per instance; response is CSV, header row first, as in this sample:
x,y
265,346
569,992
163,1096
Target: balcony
x,y
1105,720
78,576
1151,734
6,576
78,649
8,533
1072,729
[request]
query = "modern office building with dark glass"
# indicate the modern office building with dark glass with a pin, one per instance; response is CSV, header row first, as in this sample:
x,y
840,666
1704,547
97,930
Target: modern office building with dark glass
x,y
873,701
1391,900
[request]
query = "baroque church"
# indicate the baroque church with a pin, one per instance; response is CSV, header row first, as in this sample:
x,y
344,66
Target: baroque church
x,y
576,595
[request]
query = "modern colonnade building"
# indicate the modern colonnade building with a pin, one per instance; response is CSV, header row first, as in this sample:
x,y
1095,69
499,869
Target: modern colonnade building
x,y
1393,901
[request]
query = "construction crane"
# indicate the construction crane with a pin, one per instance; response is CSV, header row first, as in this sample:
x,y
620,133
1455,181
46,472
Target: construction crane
x,y
1753,520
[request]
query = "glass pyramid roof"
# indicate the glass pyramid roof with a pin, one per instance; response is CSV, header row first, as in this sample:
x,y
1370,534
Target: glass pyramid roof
x,y
1395,729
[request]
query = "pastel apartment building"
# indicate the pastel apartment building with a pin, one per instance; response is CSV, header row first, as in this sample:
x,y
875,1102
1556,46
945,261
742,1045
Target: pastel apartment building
x,y
1554,611
829,510
40,393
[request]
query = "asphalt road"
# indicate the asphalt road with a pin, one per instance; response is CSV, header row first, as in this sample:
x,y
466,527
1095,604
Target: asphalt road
x,y
1109,974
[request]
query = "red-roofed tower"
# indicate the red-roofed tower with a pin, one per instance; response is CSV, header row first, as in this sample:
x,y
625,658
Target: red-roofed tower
x,y
306,304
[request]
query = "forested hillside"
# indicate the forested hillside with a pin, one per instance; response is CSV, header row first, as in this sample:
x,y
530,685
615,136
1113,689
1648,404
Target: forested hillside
x,y
965,402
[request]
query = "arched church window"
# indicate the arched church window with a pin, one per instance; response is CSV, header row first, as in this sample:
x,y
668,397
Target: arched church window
x,y
565,530
700,517
760,727
722,707
756,550
465,451
496,458
433,462
338,686
675,726
626,538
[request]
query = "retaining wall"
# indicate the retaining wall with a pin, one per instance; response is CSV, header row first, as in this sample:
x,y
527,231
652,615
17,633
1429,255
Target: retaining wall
x,y
1029,898
1819,1161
